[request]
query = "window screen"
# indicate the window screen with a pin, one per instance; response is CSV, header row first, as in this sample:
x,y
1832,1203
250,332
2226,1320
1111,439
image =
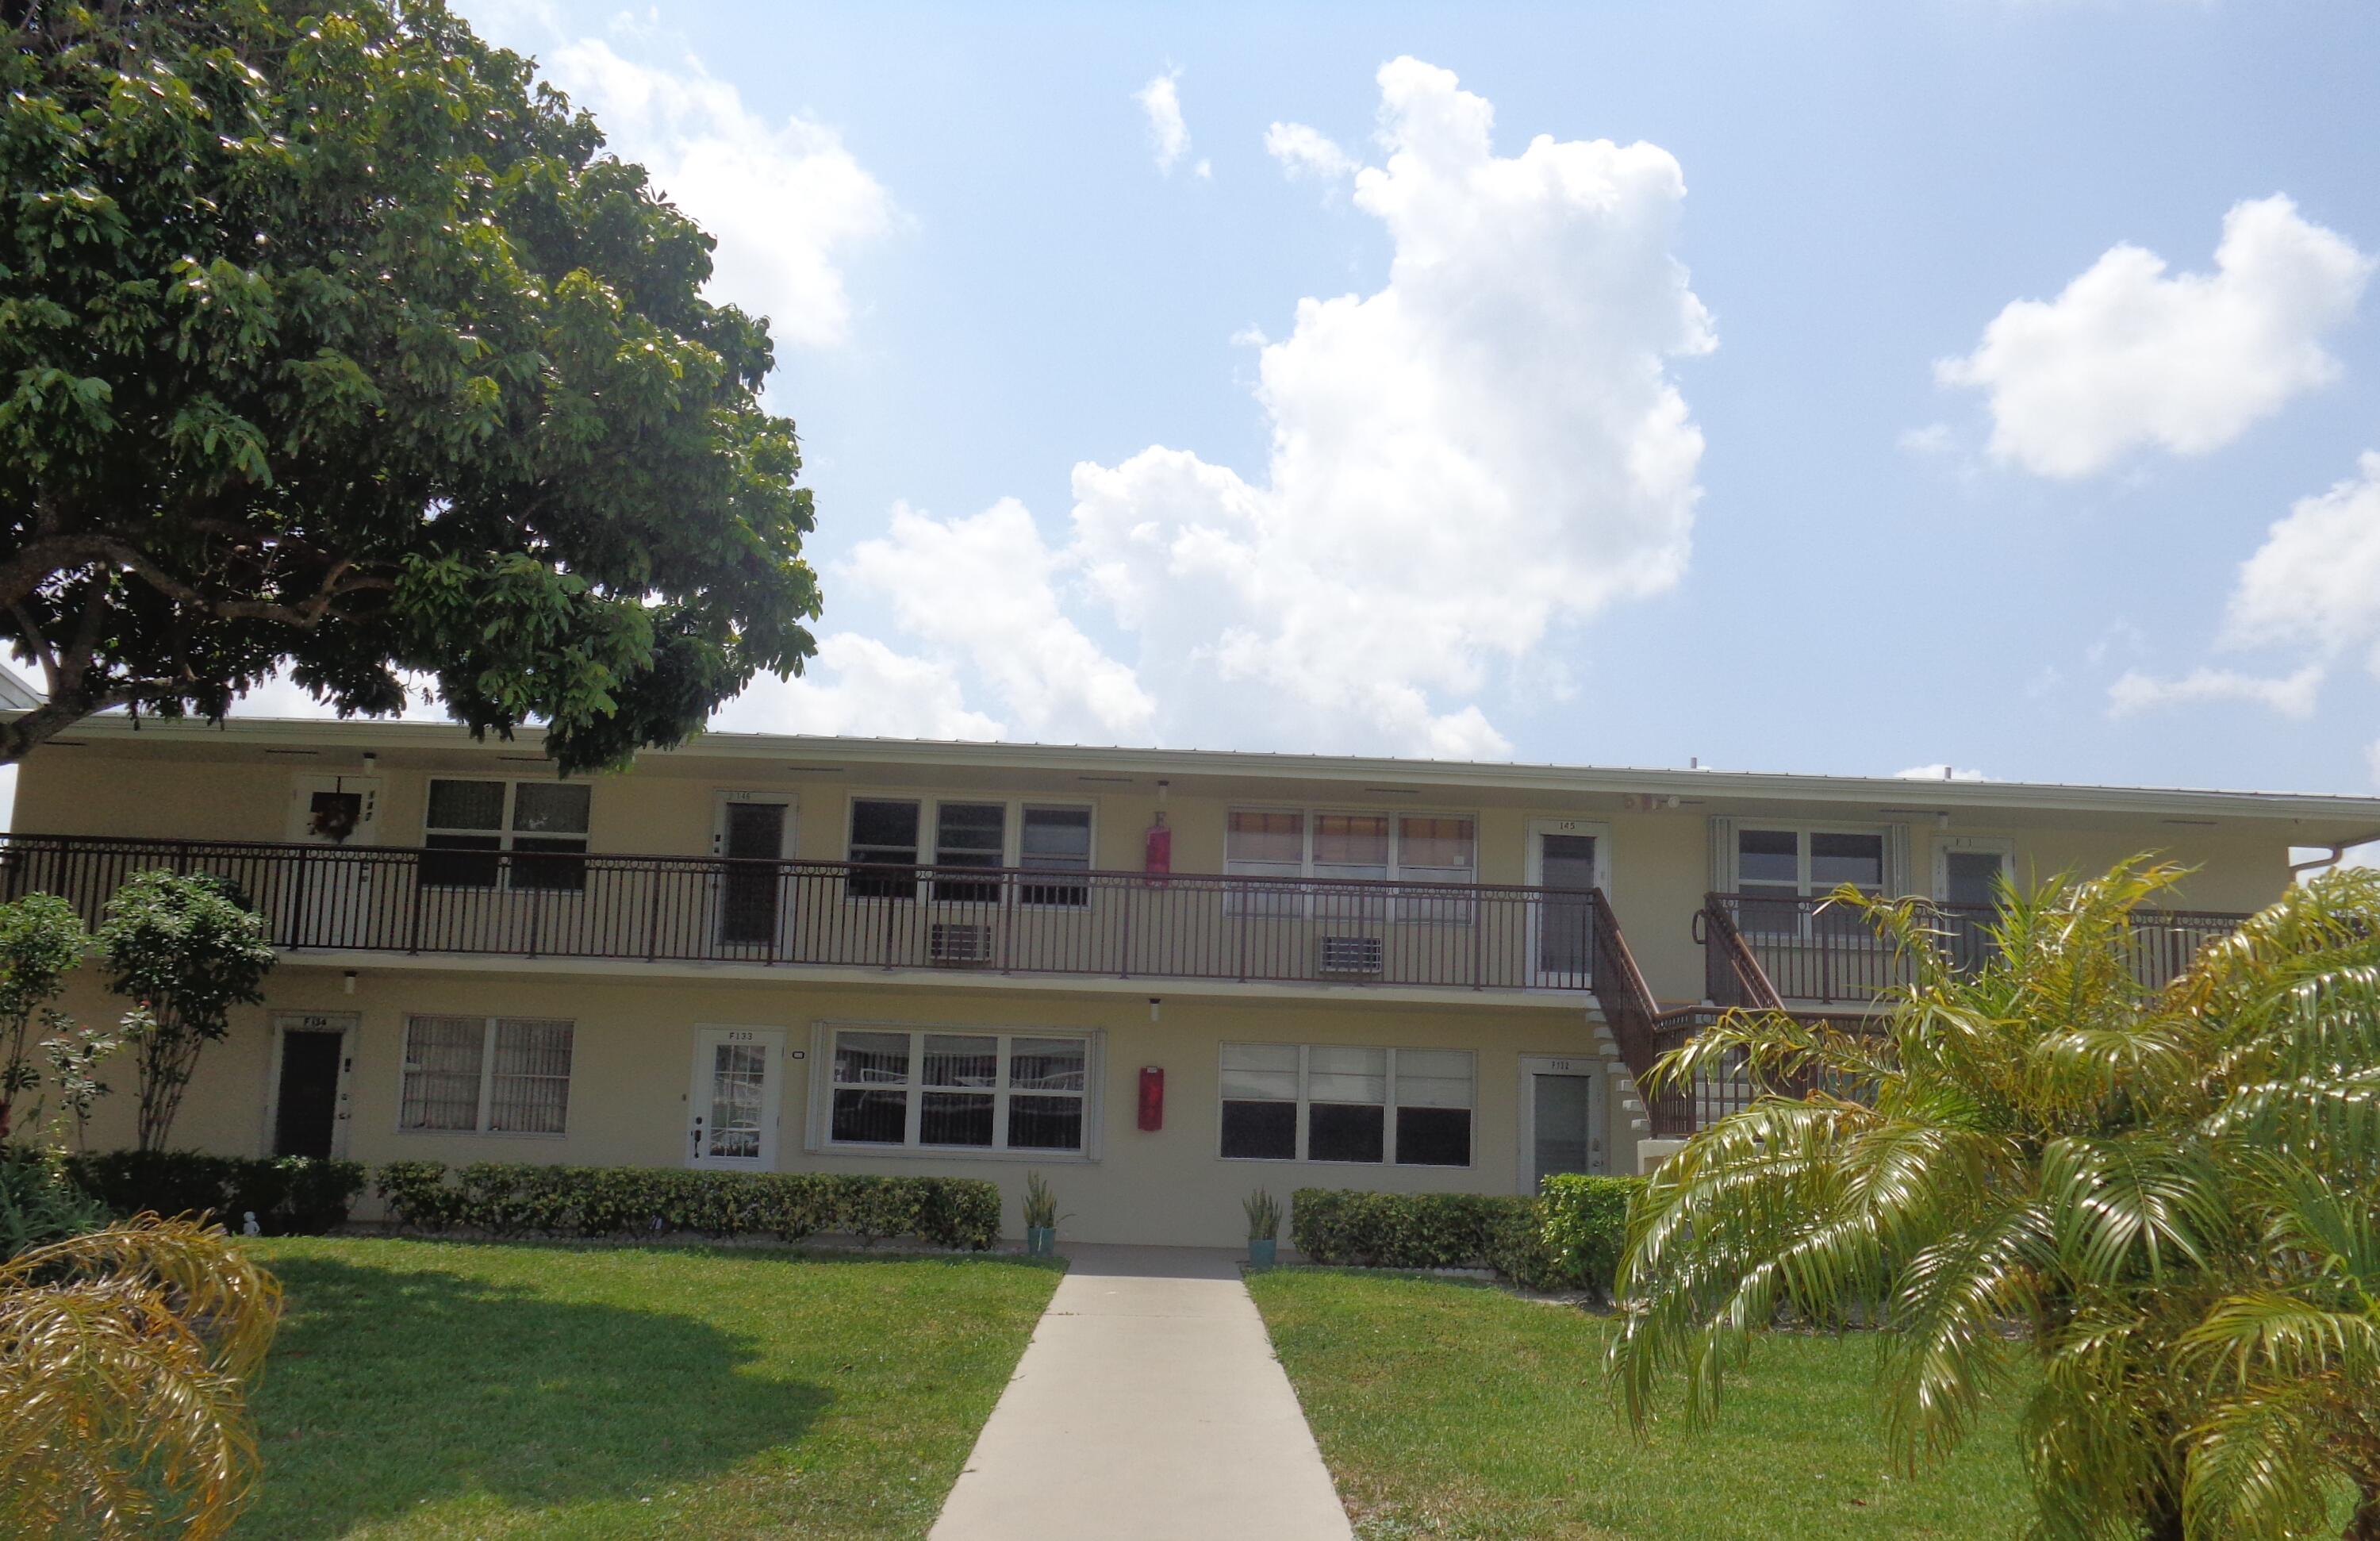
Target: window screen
x,y
549,835
1261,1087
969,836
884,836
981,1091
1055,840
442,1072
1347,1095
529,1092
1434,1098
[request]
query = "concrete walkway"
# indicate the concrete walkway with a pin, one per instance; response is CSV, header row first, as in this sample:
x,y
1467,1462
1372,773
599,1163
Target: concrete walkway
x,y
1149,1406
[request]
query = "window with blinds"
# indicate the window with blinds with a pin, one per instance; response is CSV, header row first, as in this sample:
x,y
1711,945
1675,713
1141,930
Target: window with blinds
x,y
1374,848
1346,1102
957,1091
471,825
486,1074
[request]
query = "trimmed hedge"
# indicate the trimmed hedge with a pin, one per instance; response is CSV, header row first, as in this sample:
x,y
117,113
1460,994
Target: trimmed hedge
x,y
1585,1229
290,1195
510,1200
1570,1239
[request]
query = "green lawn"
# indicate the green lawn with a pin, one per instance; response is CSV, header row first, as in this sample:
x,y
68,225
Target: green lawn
x,y
1453,1411
426,1388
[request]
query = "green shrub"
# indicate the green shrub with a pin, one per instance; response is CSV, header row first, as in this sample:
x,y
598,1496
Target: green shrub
x,y
1568,1240
1586,1227
512,1200
1517,1249
1400,1230
288,1195
40,1201
417,1195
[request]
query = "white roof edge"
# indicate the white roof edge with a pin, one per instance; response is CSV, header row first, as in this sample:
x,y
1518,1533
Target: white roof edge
x,y
15,694
1914,793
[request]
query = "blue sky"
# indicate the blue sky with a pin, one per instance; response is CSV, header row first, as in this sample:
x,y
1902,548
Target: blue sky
x,y
1619,451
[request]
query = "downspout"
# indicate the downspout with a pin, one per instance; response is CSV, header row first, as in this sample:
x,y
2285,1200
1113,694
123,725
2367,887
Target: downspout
x,y
2337,854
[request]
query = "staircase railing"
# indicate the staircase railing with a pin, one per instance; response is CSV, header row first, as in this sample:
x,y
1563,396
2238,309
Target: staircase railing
x,y
1643,1032
1628,1005
1732,973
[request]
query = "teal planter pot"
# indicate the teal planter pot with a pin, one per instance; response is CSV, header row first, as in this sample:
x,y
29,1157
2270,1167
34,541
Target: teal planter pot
x,y
1261,1253
1041,1240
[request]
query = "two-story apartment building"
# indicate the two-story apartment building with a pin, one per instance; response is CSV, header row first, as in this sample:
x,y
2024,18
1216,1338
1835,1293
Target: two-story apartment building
x,y
1163,980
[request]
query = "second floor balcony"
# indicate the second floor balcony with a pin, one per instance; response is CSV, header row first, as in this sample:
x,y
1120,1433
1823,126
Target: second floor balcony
x,y
672,910
1813,950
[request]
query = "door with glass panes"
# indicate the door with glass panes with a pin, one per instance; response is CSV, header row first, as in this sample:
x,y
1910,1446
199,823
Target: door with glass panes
x,y
731,1107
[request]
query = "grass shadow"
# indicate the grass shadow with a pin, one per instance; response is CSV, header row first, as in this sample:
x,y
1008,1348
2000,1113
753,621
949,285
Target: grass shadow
x,y
389,1387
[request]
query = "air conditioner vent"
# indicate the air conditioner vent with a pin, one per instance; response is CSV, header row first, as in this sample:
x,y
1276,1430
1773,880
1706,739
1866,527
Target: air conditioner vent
x,y
958,944
1347,955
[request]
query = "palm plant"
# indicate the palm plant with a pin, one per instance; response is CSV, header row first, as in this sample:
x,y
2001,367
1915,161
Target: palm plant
x,y
124,1358
2167,1199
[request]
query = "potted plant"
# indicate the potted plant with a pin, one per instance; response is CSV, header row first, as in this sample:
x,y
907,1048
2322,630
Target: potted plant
x,y
1040,1217
1264,1226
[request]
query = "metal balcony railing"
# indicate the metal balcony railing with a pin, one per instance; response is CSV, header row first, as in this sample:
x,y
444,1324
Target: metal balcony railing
x,y
677,909
1807,950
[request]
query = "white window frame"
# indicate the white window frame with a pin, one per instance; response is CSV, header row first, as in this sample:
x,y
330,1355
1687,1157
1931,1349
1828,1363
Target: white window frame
x,y
819,1134
1805,923
487,1077
1304,1102
1011,844
1430,910
505,833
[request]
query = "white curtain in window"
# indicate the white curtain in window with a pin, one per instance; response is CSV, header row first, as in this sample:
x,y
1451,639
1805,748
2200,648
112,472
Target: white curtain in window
x,y
531,1091
442,1072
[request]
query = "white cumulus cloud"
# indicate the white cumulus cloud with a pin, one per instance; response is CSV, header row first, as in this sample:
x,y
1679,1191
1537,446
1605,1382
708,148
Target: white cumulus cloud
x,y
857,685
985,590
787,202
2315,581
2290,694
1303,152
1169,132
2128,356
1489,445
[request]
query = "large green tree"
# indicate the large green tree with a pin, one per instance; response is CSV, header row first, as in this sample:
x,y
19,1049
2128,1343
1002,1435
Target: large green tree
x,y
2152,1213
331,339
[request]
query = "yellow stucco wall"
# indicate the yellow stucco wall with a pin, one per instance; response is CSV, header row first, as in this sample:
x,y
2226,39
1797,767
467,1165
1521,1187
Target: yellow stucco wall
x,y
632,1067
635,1027
1659,859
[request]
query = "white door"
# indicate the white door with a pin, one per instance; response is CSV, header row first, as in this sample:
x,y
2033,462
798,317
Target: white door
x,y
327,900
731,1107
1570,854
751,903
1562,1119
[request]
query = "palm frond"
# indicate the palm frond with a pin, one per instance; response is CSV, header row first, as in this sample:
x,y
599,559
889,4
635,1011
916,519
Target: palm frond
x,y
2130,1206
2254,1470
123,1357
2268,1336
1948,1351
